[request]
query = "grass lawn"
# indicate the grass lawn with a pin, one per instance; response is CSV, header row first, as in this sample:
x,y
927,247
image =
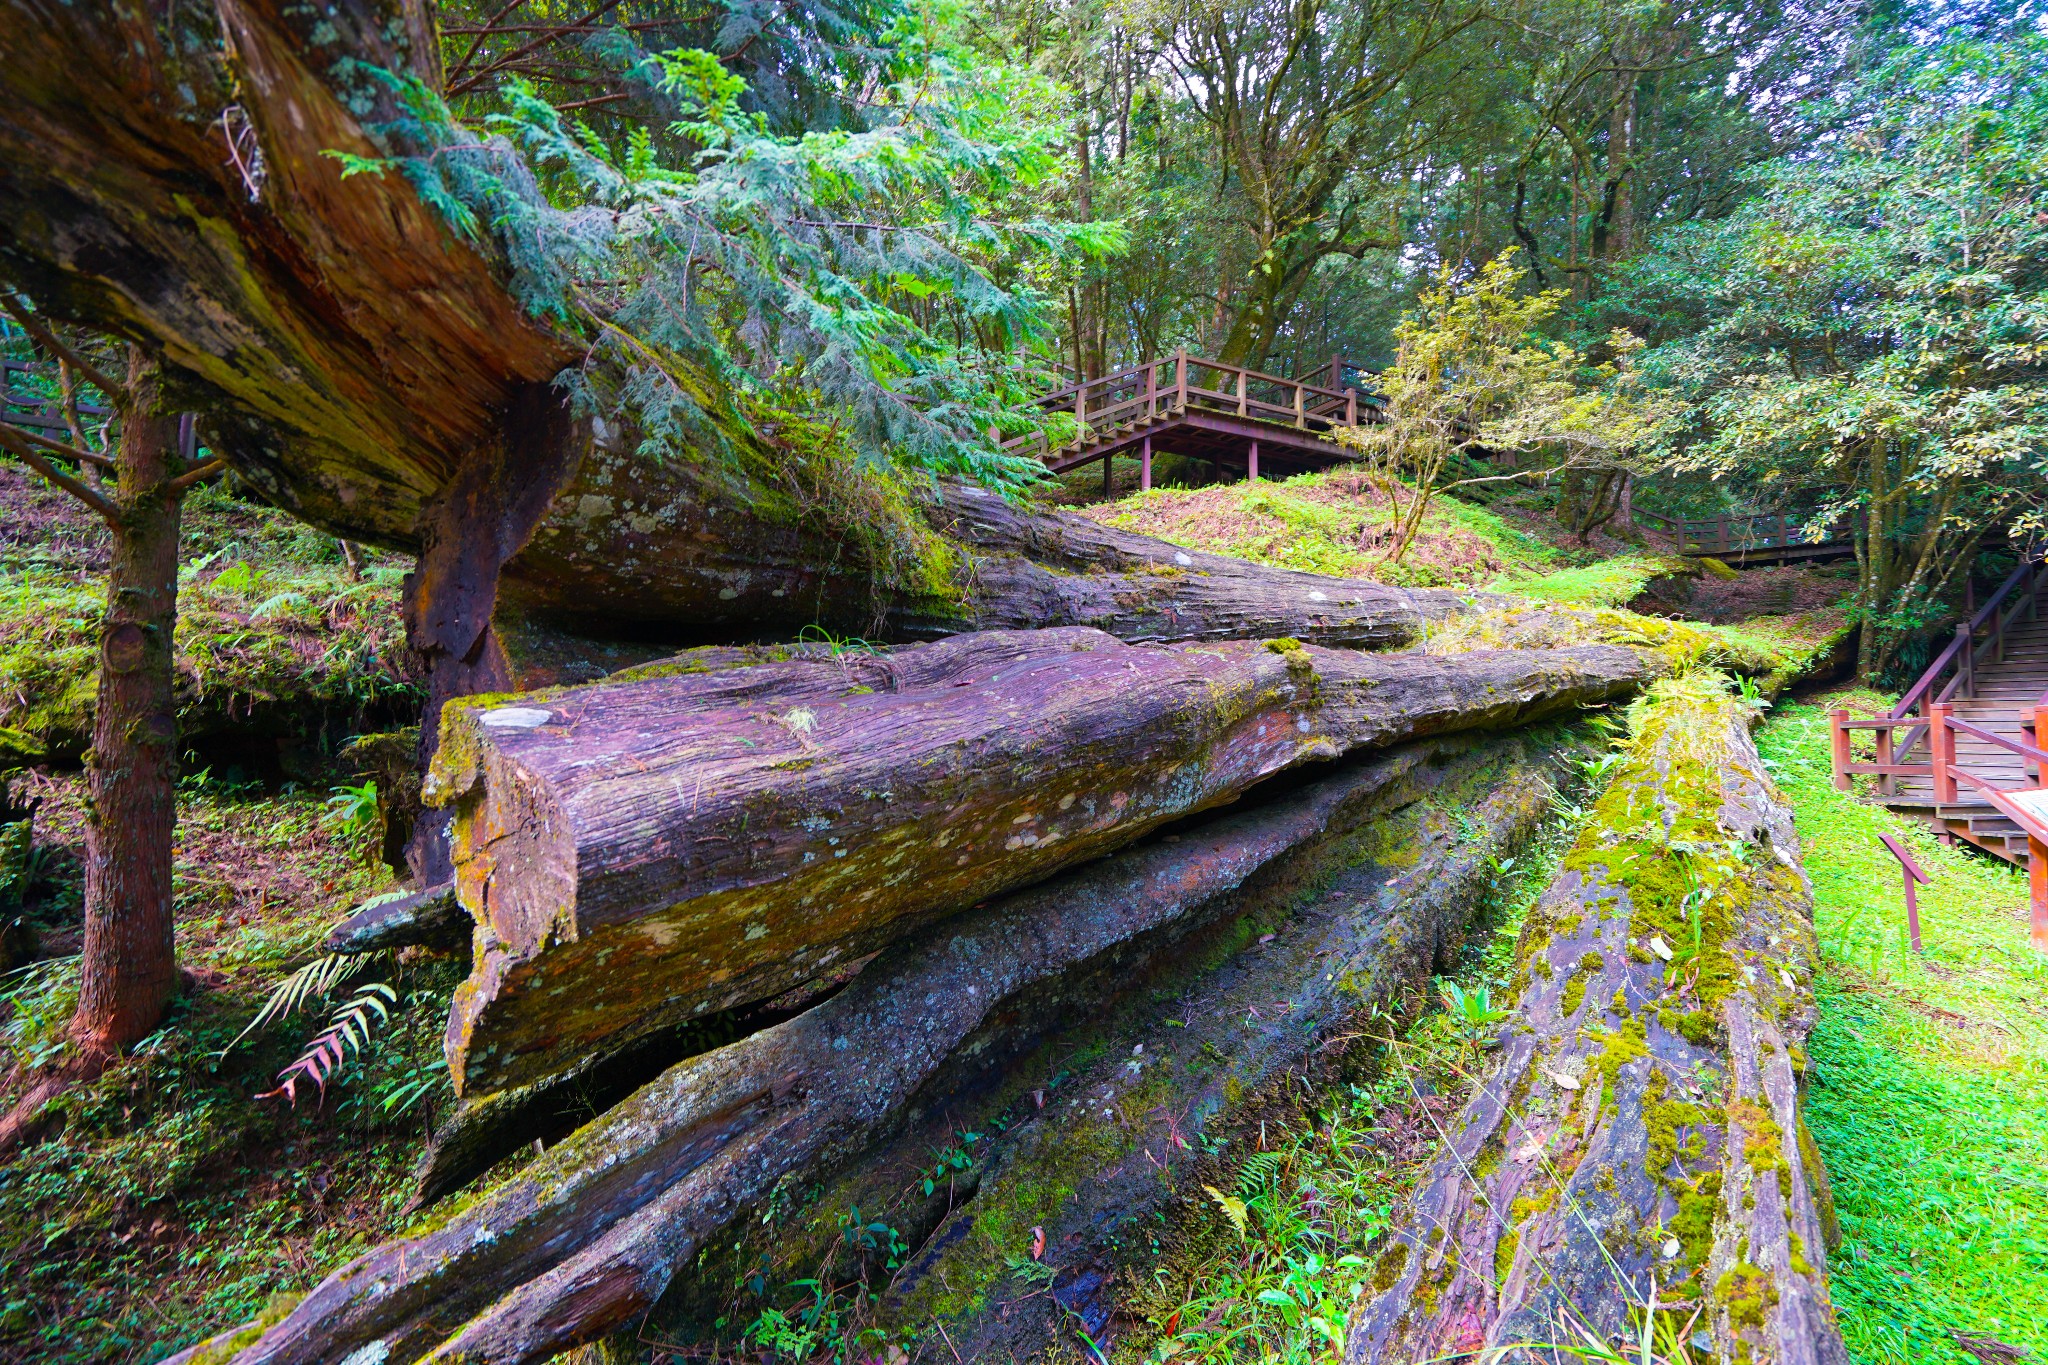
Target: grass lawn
x,y
1930,1098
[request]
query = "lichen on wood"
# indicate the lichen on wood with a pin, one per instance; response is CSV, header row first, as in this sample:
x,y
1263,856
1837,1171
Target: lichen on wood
x,y
638,852
1637,1140
591,1233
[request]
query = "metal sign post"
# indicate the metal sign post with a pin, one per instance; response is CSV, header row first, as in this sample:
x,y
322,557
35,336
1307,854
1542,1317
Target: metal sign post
x,y
1914,877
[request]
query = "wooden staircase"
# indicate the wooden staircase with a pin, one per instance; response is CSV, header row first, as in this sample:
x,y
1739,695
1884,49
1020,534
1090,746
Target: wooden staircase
x,y
1962,749
2006,694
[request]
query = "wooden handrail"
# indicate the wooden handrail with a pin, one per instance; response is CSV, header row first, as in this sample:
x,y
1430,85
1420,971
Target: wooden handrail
x,y
1916,696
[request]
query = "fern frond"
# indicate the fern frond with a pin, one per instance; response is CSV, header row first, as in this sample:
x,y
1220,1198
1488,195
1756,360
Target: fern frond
x,y
315,980
348,1030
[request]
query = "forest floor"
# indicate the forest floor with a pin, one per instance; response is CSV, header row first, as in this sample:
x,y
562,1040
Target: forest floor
x,y
175,1198
171,1198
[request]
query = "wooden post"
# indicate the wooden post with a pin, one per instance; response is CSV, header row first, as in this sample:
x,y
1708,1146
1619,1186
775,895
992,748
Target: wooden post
x,y
1966,665
1301,407
1151,390
1910,869
2040,729
1941,747
2037,892
1180,378
1252,463
1351,407
1838,747
1336,372
1242,410
1885,784
1145,466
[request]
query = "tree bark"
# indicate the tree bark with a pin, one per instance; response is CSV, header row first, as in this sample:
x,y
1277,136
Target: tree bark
x,y
1638,1149
592,1233
691,842
128,967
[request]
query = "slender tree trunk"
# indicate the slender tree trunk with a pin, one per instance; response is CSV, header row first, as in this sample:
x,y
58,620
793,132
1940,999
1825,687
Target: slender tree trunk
x,y
129,968
1876,564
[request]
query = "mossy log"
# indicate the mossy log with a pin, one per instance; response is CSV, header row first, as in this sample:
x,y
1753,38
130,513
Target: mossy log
x,y
1105,1101
641,851
591,1233
1638,1146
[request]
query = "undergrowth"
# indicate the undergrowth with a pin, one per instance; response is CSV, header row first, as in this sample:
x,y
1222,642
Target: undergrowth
x,y
1329,522
1928,1075
269,627
171,1199
1300,1226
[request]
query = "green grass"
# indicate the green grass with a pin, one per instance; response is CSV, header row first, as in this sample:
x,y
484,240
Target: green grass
x,y
1608,583
1329,523
1930,1103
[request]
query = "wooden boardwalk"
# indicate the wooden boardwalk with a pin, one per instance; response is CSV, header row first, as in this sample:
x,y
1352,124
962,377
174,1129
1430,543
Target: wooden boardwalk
x,y
1962,750
1232,416
1764,538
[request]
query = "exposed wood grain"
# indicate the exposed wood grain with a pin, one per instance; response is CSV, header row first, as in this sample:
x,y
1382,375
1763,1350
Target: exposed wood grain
x,y
593,1230
639,851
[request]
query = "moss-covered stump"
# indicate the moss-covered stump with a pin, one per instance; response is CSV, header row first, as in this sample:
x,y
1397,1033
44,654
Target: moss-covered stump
x,y
639,852
1103,1101
590,1234
1639,1140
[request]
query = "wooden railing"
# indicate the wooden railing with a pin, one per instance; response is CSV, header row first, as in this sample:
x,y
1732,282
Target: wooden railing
x,y
1952,673
2026,806
1740,535
26,410
1173,385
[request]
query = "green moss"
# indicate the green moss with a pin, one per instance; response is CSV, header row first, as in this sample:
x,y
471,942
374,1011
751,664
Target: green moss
x,y
1763,1142
221,1351
1747,1294
1699,1206
1695,1026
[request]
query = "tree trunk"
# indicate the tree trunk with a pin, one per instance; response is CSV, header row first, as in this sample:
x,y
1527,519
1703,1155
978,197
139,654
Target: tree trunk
x,y
685,841
128,969
592,1233
1638,1149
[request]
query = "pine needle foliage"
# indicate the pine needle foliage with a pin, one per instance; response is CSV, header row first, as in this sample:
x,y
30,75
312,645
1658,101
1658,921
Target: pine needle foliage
x,y
852,271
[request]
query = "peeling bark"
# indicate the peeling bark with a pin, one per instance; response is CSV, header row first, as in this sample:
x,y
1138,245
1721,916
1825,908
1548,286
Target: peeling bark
x,y
1640,1135
641,851
592,1232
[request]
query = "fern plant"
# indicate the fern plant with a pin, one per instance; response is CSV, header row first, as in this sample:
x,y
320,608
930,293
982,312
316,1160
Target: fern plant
x,y
348,1031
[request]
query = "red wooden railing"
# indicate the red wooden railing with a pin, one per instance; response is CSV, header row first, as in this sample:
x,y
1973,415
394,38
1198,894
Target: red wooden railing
x,y
1952,673
1926,713
1154,390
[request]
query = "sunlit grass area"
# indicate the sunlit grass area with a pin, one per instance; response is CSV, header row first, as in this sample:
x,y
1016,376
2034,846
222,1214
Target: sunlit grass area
x,y
1930,1075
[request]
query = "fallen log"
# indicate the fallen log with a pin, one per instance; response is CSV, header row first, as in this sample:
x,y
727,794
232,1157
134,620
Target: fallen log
x,y
1636,1156
593,1230
430,918
639,852
1105,1100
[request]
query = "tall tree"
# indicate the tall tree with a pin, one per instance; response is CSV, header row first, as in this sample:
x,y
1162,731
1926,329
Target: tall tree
x,y
1870,331
1318,112
129,959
